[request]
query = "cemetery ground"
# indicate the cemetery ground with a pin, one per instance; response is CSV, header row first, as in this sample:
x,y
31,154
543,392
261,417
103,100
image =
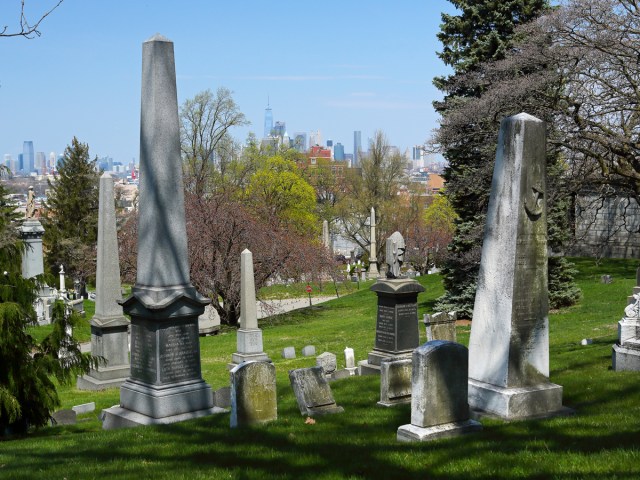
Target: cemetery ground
x,y
602,439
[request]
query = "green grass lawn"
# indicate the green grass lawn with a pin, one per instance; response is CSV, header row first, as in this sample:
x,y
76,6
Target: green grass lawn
x,y
602,440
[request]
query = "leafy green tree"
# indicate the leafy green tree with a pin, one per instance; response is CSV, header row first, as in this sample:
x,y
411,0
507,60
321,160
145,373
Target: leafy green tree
x,y
27,368
278,191
483,33
71,214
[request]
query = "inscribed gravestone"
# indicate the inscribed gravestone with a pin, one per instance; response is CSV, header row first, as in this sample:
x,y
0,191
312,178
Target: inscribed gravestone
x,y
397,332
509,344
166,384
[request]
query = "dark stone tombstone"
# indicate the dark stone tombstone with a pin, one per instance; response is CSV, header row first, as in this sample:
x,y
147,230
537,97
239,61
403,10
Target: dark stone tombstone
x,y
312,392
397,331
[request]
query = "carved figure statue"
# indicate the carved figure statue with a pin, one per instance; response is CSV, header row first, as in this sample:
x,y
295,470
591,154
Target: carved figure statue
x,y
395,248
31,203
633,309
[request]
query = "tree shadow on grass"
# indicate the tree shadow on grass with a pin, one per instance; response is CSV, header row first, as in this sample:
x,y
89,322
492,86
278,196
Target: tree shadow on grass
x,y
359,443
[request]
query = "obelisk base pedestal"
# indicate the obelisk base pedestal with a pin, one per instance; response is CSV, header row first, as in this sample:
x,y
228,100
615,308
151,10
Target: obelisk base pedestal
x,y
543,400
143,404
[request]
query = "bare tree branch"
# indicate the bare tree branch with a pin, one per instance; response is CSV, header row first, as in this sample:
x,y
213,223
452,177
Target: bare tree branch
x,y
27,30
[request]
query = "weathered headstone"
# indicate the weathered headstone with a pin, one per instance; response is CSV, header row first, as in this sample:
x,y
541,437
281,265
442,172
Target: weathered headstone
x,y
222,397
626,352
66,416
441,326
439,405
509,344
289,353
249,336
397,332
253,393
109,326
328,362
312,392
308,351
395,382
373,260
166,382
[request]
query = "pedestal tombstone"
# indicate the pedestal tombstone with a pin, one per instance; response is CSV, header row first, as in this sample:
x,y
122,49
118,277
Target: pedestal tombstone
x,y
626,352
249,336
109,326
509,344
439,405
166,384
397,330
31,233
326,239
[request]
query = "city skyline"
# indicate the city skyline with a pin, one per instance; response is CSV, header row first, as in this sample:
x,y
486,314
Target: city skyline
x,y
363,75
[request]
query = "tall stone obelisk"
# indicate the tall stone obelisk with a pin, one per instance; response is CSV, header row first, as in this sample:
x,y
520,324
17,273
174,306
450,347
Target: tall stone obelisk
x,y
249,337
509,344
373,262
109,337
166,384
326,239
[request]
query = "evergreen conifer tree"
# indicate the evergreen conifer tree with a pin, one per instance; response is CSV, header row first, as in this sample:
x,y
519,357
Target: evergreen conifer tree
x,y
71,223
484,32
27,368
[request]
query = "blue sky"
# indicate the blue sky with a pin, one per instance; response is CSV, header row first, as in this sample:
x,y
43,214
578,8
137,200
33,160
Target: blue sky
x,y
334,66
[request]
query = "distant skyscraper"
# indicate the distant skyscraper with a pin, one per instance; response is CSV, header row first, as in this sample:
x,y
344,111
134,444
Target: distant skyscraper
x,y
20,165
338,152
315,138
268,121
300,141
52,161
279,129
28,158
357,147
329,143
41,163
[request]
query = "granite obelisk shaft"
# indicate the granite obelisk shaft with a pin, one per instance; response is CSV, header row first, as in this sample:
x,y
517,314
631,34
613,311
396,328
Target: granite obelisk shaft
x,y
373,261
509,344
166,383
109,337
249,336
